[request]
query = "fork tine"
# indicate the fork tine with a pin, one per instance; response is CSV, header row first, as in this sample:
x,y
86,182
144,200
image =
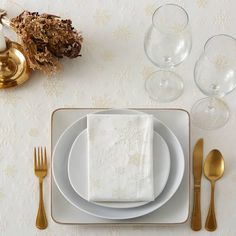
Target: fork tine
x,y
45,158
38,157
35,159
41,157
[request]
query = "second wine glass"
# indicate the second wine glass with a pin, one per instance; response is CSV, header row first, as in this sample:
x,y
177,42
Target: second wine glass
x,y
215,76
167,44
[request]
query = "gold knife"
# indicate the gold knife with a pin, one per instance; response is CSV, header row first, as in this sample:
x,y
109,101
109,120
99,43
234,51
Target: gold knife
x,y
196,223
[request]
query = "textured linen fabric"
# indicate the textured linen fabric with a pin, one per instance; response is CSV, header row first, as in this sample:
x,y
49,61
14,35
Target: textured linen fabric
x,y
120,160
111,73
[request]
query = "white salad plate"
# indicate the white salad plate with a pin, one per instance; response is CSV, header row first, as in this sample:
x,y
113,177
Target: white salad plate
x,y
78,169
60,171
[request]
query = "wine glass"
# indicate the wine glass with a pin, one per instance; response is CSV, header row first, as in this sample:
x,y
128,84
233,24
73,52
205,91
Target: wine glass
x,y
215,76
167,44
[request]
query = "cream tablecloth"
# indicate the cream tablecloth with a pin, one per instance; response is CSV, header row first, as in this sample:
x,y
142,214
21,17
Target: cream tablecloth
x,y
111,73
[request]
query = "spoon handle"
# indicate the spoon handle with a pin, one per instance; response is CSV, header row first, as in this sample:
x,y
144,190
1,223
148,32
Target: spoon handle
x,y
211,224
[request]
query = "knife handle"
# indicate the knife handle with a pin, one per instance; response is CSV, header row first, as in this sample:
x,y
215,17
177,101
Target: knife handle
x,y
196,223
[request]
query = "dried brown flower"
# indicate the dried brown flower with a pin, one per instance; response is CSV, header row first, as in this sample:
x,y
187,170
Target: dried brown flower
x,y
46,38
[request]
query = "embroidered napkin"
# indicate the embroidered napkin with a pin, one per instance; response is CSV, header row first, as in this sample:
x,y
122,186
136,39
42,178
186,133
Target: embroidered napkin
x,y
120,165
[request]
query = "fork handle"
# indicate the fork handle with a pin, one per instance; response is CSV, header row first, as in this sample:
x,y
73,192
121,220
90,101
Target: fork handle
x,y
41,220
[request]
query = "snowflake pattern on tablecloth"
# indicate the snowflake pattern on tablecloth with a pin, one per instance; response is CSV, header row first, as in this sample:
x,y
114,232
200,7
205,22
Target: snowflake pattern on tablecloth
x,y
222,19
221,62
10,171
103,77
101,17
122,33
202,3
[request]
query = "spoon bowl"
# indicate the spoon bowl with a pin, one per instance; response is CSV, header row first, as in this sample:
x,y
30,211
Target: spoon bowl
x,y
214,165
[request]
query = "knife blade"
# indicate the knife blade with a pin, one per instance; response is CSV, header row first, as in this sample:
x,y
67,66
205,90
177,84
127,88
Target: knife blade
x,y
197,160
196,223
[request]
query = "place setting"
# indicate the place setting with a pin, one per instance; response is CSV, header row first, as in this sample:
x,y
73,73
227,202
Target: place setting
x,y
150,174
113,165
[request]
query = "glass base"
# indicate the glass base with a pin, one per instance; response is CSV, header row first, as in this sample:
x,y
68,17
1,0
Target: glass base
x,y
210,113
164,86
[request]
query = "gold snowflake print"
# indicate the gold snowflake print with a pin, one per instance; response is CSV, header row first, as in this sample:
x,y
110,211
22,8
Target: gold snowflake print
x,y
221,62
222,19
33,132
122,74
10,171
30,112
130,137
108,56
53,86
122,33
101,102
201,3
131,133
150,9
176,27
101,17
147,70
135,159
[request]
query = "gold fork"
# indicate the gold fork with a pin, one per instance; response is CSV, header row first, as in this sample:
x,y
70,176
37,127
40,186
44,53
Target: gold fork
x,y
40,170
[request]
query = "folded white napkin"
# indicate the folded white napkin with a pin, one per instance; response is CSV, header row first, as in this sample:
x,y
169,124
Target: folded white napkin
x,y
120,165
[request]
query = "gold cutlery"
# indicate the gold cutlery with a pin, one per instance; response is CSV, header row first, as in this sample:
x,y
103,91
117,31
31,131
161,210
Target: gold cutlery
x,y
196,223
40,170
213,170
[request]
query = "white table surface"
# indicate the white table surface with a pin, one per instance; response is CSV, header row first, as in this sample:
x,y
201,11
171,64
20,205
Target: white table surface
x,y
111,73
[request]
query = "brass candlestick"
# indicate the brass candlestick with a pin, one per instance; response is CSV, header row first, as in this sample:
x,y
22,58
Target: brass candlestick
x,y
14,69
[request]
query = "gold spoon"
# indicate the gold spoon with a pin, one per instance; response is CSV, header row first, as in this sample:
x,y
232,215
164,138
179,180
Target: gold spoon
x,y
213,170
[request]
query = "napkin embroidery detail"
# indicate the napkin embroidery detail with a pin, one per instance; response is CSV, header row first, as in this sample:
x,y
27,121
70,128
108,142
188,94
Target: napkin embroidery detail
x,y
120,157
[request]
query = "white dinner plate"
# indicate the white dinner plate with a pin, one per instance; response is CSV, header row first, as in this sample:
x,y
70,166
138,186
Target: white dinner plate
x,y
60,171
78,169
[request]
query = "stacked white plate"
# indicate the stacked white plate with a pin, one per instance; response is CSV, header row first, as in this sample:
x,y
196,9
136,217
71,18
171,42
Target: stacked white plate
x,y
69,168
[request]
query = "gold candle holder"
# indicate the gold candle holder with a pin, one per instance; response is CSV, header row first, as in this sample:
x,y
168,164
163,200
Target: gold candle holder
x,y
14,69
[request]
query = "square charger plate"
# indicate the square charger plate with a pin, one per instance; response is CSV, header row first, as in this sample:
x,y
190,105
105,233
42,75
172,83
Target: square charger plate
x,y
175,211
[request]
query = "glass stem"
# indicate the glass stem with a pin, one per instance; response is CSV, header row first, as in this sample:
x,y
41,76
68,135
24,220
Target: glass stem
x,y
164,81
211,105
